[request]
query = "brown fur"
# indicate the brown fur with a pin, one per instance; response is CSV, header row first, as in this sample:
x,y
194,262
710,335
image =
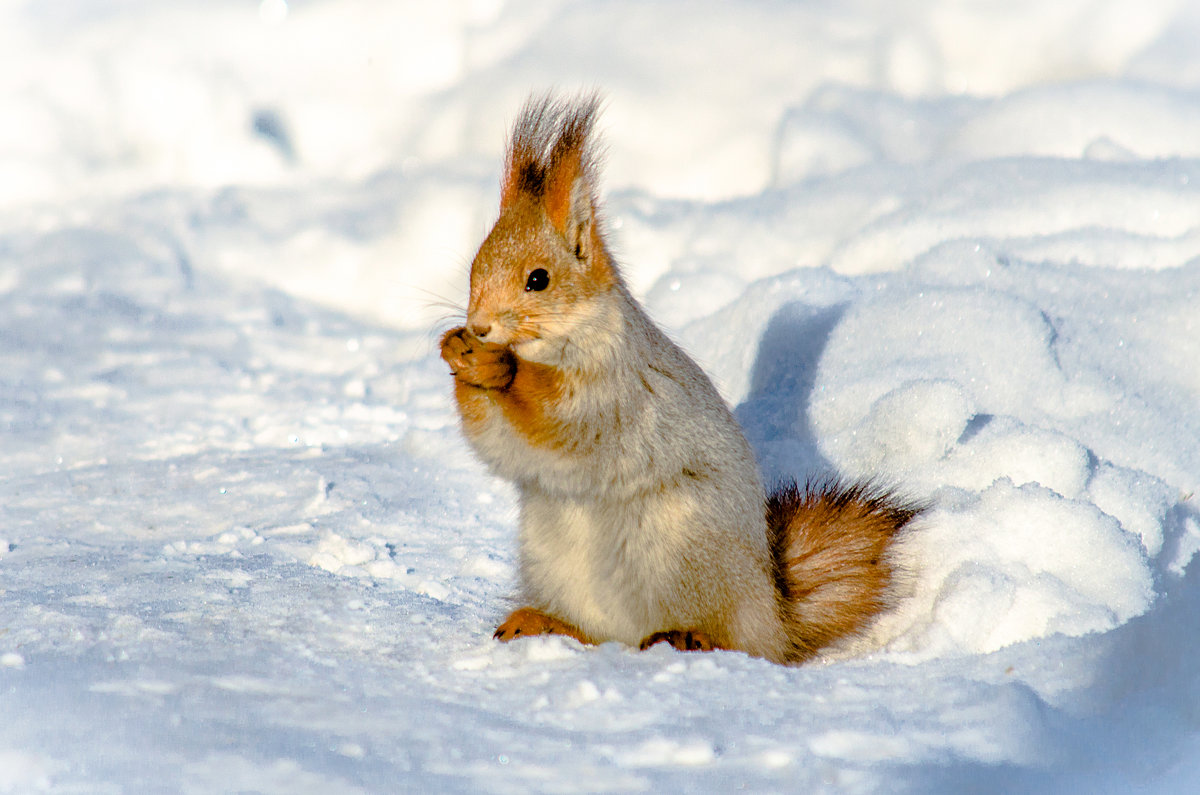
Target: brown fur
x,y
548,151
550,173
472,406
526,621
489,375
526,402
478,369
831,547
831,552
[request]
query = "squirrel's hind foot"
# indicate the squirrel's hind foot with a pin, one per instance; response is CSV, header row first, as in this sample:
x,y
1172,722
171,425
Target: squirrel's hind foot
x,y
531,621
681,639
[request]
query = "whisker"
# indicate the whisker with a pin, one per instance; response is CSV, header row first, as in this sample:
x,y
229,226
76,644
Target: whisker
x,y
441,300
455,309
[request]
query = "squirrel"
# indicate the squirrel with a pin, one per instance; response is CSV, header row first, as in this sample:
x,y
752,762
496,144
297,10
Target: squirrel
x,y
643,518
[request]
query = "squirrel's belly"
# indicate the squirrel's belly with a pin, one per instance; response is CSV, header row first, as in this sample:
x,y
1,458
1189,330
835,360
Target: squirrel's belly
x,y
585,563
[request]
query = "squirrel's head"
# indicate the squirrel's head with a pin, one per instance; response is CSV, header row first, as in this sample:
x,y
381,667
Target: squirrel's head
x,y
535,279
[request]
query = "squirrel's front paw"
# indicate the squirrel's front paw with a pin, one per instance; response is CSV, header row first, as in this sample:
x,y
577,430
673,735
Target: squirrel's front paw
x,y
477,363
681,639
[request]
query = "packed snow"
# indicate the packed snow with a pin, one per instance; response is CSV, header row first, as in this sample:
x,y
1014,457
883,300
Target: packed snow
x,y
954,246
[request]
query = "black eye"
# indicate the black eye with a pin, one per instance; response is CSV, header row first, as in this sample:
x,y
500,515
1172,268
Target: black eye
x,y
538,280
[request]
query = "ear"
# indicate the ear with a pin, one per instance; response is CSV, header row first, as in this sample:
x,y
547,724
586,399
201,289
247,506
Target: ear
x,y
568,201
551,160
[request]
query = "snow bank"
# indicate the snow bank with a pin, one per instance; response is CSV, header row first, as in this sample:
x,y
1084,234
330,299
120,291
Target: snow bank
x,y
243,546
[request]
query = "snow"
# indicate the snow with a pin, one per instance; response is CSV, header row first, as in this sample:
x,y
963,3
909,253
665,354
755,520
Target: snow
x,y
243,547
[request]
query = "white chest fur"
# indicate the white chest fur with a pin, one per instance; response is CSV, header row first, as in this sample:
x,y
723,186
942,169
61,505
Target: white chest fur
x,y
609,565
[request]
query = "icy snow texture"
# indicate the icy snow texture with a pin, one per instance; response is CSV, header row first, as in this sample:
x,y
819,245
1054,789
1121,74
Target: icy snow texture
x,y
955,246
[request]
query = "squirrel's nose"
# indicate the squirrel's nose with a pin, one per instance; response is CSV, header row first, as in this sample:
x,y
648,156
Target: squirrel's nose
x,y
481,331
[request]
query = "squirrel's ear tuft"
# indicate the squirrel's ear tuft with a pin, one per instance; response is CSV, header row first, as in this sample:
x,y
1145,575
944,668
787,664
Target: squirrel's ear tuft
x,y
551,159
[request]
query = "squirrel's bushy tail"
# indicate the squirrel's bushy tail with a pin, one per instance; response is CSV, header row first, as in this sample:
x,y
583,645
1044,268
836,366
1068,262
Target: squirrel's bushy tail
x,y
831,547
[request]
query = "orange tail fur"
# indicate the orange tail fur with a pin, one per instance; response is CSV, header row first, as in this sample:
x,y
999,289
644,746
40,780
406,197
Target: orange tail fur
x,y
831,546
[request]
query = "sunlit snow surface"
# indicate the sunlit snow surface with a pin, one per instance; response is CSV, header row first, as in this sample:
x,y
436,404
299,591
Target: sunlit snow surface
x,y
243,547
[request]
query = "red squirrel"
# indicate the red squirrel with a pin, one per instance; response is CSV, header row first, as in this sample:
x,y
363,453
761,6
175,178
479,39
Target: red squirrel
x,y
643,517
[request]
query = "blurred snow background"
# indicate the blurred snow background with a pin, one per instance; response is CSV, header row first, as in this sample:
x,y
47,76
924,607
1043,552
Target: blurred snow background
x,y
243,548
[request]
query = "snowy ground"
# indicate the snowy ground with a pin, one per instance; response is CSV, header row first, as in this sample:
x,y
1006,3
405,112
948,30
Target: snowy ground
x,y
243,547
